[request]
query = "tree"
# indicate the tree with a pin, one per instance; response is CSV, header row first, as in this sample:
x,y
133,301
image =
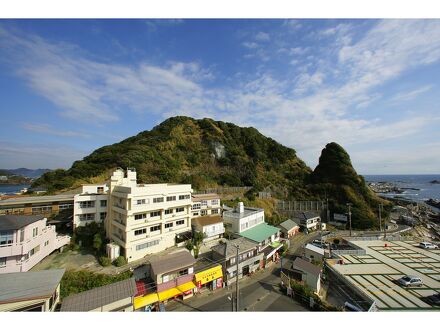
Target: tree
x,y
197,241
97,243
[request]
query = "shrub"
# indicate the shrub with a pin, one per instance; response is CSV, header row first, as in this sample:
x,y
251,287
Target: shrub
x,y
120,261
105,261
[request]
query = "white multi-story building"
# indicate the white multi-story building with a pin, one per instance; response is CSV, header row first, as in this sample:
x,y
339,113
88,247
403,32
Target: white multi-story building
x,y
25,240
205,204
145,218
243,218
206,216
90,205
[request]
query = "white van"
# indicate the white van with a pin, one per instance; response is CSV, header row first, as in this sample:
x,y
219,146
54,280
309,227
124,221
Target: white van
x,y
427,245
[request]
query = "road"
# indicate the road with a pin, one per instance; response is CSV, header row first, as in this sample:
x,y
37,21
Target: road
x,y
260,292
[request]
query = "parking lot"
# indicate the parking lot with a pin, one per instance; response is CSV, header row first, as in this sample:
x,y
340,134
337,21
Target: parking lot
x,y
385,262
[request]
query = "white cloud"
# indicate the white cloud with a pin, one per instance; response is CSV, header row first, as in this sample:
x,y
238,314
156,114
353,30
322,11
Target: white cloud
x,y
49,130
262,36
250,44
410,95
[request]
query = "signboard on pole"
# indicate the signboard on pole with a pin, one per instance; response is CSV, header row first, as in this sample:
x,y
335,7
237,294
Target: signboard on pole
x,y
339,217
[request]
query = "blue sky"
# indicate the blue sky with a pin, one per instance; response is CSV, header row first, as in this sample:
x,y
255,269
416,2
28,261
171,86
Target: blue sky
x,y
68,87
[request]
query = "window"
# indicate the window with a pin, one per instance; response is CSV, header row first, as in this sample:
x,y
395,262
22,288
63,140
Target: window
x,y
232,261
65,206
100,190
147,245
195,206
183,272
195,214
155,228
102,216
182,197
250,254
34,232
140,216
140,201
204,203
168,225
158,200
46,243
180,209
104,203
34,250
3,262
180,222
154,214
214,211
41,209
170,211
171,198
87,217
203,212
140,231
86,204
214,202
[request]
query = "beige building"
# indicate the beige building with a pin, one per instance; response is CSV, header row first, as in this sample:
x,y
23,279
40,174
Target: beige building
x,y
90,205
145,218
30,291
205,205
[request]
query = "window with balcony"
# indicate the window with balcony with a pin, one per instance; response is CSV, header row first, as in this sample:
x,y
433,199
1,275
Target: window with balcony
x,y
6,237
104,203
180,209
140,216
86,204
171,198
158,200
140,231
65,206
170,211
154,228
154,214
87,217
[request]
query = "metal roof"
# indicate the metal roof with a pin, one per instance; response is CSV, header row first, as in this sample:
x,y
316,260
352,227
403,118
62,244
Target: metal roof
x,y
288,224
98,297
14,222
171,262
228,249
37,199
29,285
306,266
260,232
314,248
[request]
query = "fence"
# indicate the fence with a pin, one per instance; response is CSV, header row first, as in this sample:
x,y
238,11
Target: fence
x,y
300,205
223,190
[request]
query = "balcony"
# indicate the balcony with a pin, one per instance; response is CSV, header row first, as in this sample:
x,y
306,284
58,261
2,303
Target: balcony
x,y
215,232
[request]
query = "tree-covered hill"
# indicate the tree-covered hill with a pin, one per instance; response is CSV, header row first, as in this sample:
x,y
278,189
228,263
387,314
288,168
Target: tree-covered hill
x,y
336,178
204,152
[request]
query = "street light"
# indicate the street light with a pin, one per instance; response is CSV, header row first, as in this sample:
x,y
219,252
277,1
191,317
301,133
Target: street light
x,y
349,215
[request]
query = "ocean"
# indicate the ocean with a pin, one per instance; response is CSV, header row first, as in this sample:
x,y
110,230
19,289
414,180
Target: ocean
x,y
427,190
12,189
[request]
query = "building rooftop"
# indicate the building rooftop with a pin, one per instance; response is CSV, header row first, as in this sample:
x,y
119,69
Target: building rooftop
x,y
171,262
101,296
37,199
16,287
207,220
228,249
306,266
14,222
304,215
288,224
200,197
260,232
246,212
314,248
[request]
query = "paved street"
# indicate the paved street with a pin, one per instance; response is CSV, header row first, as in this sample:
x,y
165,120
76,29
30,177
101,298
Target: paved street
x,y
260,292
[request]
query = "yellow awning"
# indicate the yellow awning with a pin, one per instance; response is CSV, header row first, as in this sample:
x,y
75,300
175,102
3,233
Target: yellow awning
x,y
167,294
143,301
209,275
187,286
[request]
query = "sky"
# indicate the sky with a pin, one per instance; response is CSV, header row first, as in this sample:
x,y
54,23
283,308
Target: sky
x,y
68,87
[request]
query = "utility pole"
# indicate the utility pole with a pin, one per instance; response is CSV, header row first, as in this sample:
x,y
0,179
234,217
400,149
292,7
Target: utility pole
x,y
236,282
349,216
385,229
380,217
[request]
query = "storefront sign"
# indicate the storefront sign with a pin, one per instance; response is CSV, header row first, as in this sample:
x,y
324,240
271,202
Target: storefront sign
x,y
219,282
199,284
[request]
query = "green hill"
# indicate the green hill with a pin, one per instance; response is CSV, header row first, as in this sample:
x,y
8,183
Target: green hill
x,y
336,178
205,153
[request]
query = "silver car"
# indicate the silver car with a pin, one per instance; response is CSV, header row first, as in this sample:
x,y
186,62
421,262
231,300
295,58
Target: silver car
x,y
410,280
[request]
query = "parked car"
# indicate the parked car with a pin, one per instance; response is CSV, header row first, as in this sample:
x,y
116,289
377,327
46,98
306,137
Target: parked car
x,y
427,245
410,280
433,299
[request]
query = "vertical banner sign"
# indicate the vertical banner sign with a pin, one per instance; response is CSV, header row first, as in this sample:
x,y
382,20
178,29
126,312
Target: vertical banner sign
x,y
219,282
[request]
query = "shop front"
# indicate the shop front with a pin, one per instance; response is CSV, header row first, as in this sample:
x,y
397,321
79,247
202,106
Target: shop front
x,y
211,278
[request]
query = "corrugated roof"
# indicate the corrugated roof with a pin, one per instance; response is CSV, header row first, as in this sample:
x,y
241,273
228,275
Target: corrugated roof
x,y
306,266
29,285
260,232
98,297
288,224
37,199
228,249
315,248
14,222
207,220
171,262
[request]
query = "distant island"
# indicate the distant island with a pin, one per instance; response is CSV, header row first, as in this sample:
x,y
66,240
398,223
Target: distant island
x,y
435,181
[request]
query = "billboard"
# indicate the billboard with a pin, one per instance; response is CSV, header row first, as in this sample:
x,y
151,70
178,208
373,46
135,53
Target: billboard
x,y
339,217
